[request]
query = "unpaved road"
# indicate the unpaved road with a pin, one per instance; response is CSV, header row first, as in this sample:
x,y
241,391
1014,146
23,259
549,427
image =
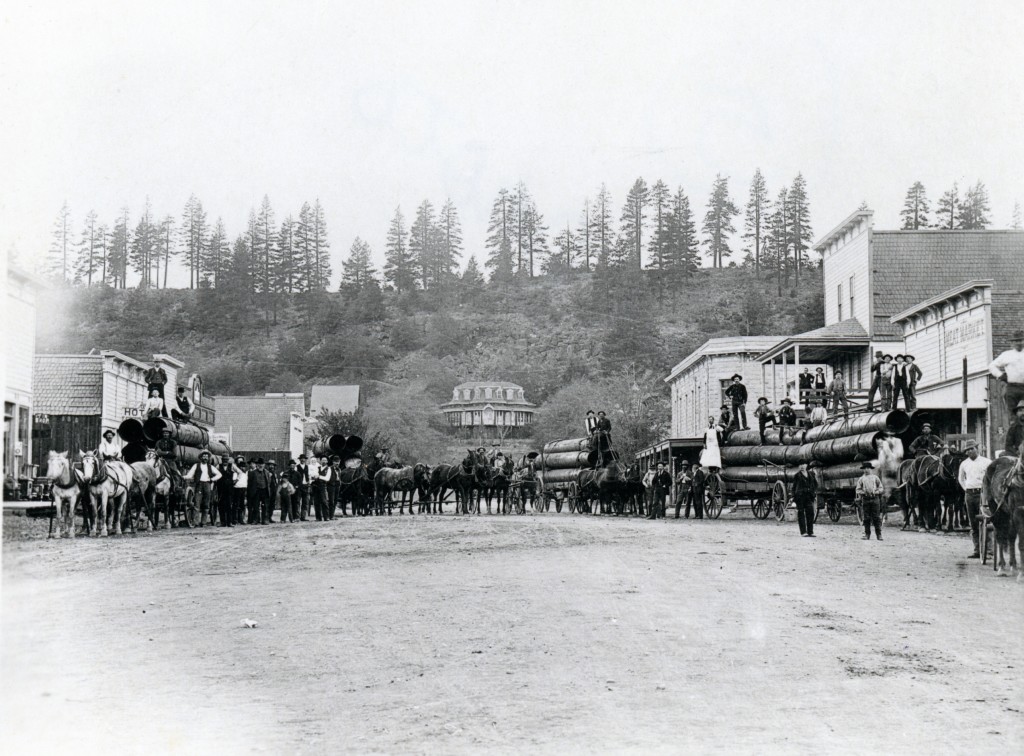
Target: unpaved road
x,y
544,633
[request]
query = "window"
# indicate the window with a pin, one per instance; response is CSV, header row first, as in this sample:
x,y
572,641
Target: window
x,y
839,302
850,293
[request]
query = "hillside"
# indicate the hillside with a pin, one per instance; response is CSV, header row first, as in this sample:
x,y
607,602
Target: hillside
x,y
568,341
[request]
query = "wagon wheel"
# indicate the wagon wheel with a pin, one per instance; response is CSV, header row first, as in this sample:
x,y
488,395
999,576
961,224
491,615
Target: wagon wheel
x,y
187,501
834,509
817,508
713,497
761,509
558,501
779,500
575,503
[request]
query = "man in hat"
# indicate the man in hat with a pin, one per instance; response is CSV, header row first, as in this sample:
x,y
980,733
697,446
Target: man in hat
x,y
764,415
786,414
926,443
224,486
869,492
275,484
971,477
203,475
662,485
805,490
1015,435
737,394
683,480
109,449
289,493
591,422
302,487
239,490
805,382
166,449
1008,367
900,383
334,487
837,394
725,418
819,415
156,378
319,488
183,412
914,374
876,381
258,492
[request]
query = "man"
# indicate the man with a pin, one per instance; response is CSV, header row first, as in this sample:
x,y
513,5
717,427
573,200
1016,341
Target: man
x,y
603,432
683,481
167,451
662,487
302,487
320,488
225,485
203,476
648,483
971,477
837,393
696,496
109,449
869,491
332,487
258,492
806,383
876,381
275,484
591,422
914,374
1008,367
1015,435
239,490
725,418
156,379
819,416
737,394
926,443
805,489
183,412
900,383
787,415
290,498
764,415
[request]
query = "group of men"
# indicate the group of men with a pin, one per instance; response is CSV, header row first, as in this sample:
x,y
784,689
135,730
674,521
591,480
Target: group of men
x,y
892,377
733,414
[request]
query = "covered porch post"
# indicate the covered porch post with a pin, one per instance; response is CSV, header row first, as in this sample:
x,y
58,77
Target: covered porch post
x,y
785,377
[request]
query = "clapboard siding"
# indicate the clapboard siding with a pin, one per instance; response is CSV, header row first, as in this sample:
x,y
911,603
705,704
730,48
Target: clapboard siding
x,y
838,266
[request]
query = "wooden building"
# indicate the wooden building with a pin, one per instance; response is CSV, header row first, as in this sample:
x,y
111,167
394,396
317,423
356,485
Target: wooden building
x,y
20,293
488,409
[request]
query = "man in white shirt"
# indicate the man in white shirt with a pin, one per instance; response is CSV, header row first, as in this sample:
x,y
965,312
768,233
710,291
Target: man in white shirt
x,y
1009,368
819,415
971,477
202,475
109,448
870,491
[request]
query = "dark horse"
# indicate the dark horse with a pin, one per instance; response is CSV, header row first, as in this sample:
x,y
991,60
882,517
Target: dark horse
x,y
500,483
355,486
1004,494
929,482
524,481
406,481
631,492
462,479
443,478
954,504
603,487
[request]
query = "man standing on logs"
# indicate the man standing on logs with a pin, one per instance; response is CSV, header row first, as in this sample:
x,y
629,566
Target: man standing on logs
x,y
764,415
604,431
805,489
787,416
837,395
806,383
737,394
819,415
900,383
876,382
869,492
914,374
156,379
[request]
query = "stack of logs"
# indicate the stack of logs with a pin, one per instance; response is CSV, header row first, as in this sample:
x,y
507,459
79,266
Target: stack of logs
x,y
562,461
839,446
141,436
345,447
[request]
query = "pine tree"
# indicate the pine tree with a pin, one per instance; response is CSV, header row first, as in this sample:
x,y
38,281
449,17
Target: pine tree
x,y
421,244
536,236
519,206
1015,219
915,208
471,276
684,247
567,247
117,258
718,221
399,266
218,255
262,245
661,235
449,242
193,234
948,209
358,270
780,237
103,241
166,247
583,234
601,227
631,229
321,246
88,265
59,266
143,247
499,241
287,262
974,210
800,224
756,221
307,274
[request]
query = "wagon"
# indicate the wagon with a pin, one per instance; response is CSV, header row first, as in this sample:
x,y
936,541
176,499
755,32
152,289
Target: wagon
x,y
559,494
765,497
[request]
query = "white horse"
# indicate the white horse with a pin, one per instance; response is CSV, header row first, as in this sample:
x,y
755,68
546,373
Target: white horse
x,y
65,489
148,483
110,481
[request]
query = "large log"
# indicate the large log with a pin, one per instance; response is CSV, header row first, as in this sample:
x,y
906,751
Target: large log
x,y
560,476
569,460
333,445
894,422
567,445
757,474
831,451
131,431
845,471
185,434
772,437
755,455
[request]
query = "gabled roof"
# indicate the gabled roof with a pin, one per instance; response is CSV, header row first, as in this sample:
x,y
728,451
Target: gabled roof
x,y
844,329
334,398
850,221
726,345
257,423
67,384
956,291
911,266
845,333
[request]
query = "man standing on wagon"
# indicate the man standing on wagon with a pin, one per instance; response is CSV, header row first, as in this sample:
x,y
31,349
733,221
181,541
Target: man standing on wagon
x,y
737,394
156,379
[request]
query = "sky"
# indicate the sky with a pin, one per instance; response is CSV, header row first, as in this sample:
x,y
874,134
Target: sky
x,y
374,105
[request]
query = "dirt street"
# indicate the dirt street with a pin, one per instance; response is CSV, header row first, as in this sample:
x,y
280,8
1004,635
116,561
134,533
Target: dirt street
x,y
536,634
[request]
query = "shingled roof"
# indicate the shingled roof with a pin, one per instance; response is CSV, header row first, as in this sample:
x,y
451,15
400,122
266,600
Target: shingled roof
x,y
334,398
257,423
844,329
911,266
67,384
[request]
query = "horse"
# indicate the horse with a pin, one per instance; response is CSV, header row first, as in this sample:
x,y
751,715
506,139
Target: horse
x,y
930,480
387,481
442,480
499,484
65,490
105,481
483,477
462,481
524,481
352,488
421,479
631,491
954,502
146,476
602,485
1004,492
905,483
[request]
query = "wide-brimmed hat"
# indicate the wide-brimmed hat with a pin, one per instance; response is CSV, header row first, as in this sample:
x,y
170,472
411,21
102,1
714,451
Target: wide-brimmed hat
x,y
787,400
878,354
480,449
108,432
259,460
763,399
972,444
590,412
926,425
736,377
1020,404
908,357
886,356
272,462
204,453
725,406
819,370
1018,335
901,357
867,466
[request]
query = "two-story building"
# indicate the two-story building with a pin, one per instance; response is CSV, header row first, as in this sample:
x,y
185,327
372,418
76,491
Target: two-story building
x,y
488,409
19,348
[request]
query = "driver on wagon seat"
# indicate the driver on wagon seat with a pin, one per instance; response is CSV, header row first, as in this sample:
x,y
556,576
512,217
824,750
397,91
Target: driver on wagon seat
x,y
927,443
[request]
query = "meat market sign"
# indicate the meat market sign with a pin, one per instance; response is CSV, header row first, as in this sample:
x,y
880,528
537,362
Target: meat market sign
x,y
964,333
